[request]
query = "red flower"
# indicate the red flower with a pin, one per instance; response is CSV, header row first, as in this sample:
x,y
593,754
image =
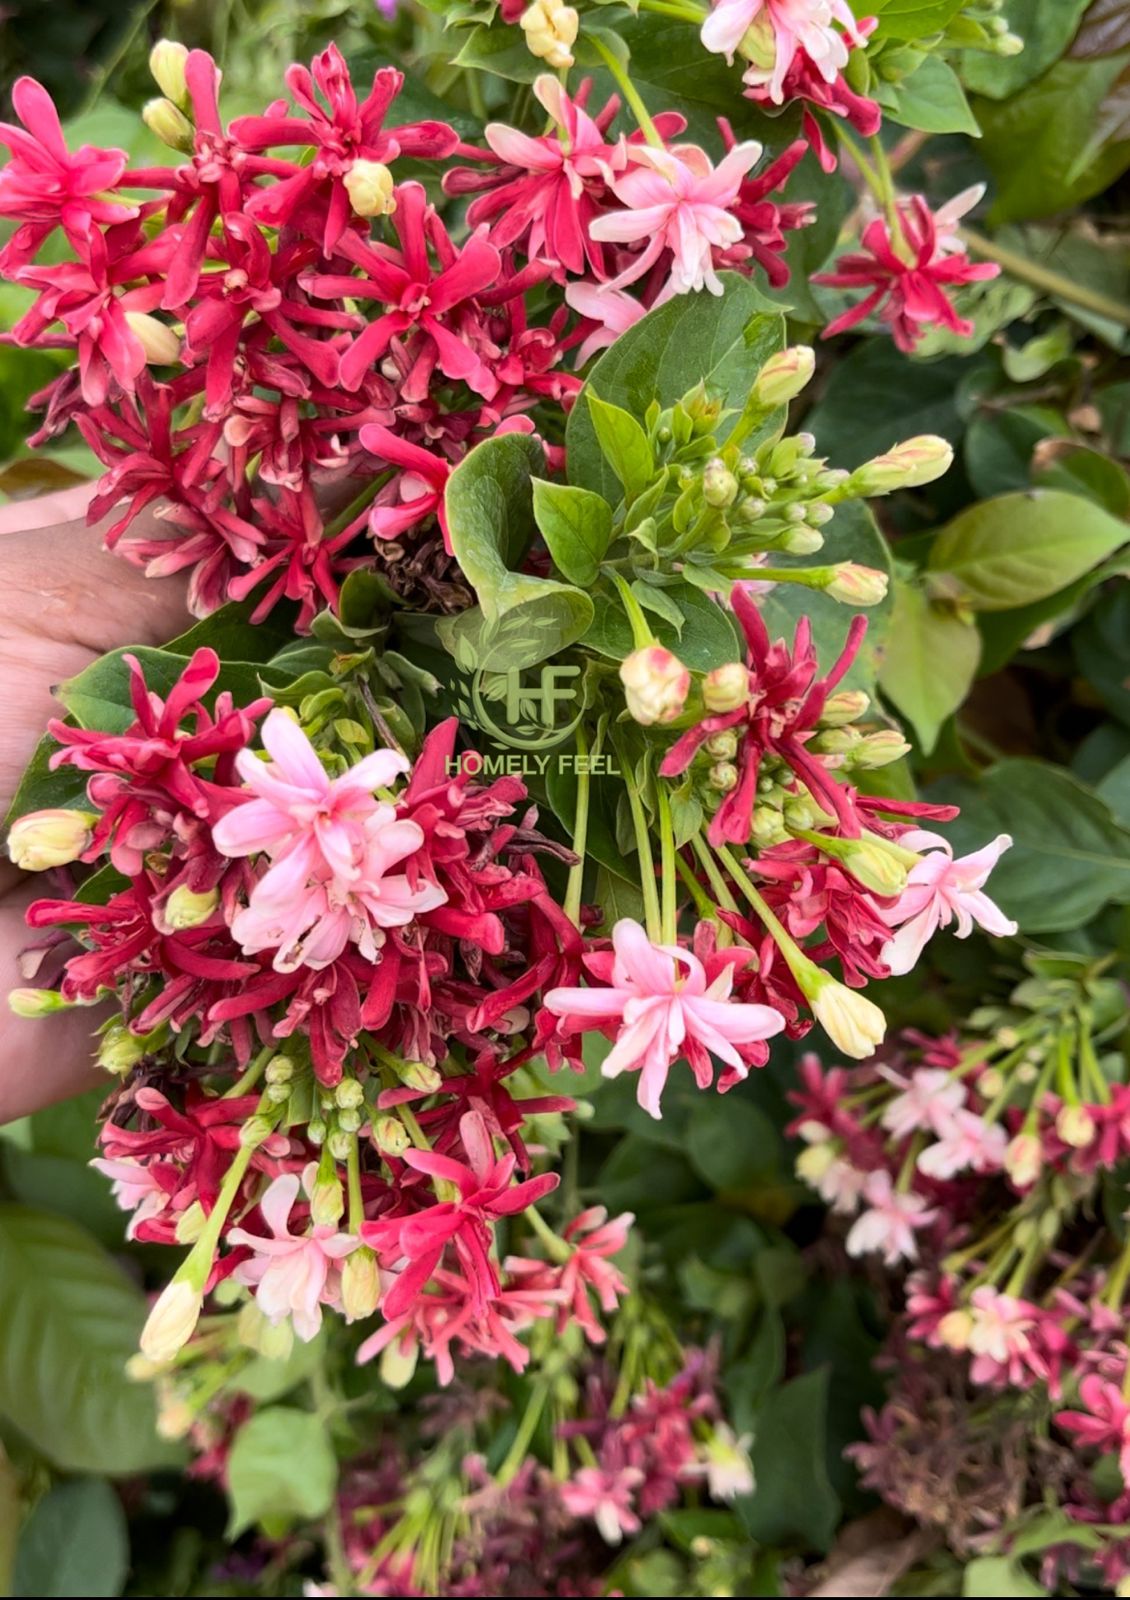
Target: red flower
x,y
45,185
314,193
779,718
908,277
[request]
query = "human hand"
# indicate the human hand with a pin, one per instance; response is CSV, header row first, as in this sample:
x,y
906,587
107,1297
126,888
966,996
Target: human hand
x,y
64,601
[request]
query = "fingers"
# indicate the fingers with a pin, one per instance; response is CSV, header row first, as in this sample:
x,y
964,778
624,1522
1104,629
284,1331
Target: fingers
x,y
61,584
48,1058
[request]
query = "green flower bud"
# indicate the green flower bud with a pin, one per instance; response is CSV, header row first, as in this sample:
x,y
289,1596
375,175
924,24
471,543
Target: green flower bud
x,y
719,486
908,466
169,124
120,1050
784,375
725,688
167,62
391,1136
54,838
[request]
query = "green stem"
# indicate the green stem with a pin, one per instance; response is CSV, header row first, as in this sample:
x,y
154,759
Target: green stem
x,y
670,8
802,968
668,875
363,498
629,91
652,915
887,188
252,1075
519,1450
356,1203
573,888
1053,283
555,1247
710,867
698,894
418,1136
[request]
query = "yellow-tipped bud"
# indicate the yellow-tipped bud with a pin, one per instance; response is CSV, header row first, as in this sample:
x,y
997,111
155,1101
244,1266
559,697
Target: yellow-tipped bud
x,y
157,339
370,187
51,838
784,375
167,62
168,123
186,909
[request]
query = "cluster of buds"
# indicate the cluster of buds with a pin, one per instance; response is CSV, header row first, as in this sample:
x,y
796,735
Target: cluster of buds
x,y
551,28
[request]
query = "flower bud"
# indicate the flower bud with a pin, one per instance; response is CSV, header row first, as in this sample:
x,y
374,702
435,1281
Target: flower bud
x,y
327,1202
729,1470
45,839
167,61
836,741
348,1121
723,777
954,1330
349,1094
120,1050
279,1069
186,909
854,1024
814,1161
767,827
168,123
391,1136
857,586
160,344
784,375
656,685
879,750
800,541
551,29
1075,1126
369,185
360,1284
1024,1159
190,1224
420,1075
847,706
398,1363
719,486
33,1003
726,688
175,1415
722,746
873,865
907,466
172,1321
255,1130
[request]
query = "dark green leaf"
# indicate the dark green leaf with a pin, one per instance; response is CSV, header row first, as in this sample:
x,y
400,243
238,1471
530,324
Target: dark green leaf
x,y
793,1503
1046,26
932,100
576,526
71,1321
74,1543
929,662
706,640
912,19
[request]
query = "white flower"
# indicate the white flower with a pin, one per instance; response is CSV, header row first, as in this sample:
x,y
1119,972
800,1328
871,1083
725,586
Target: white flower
x,y
939,891
889,1224
929,1099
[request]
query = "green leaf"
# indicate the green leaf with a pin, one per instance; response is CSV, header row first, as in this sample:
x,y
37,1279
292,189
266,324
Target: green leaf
x,y
71,1321
521,619
998,1575
875,397
732,1143
932,100
1046,26
623,444
576,526
695,338
929,662
282,1467
1010,551
41,788
99,696
793,1503
999,446
502,51
74,1543
1069,857
912,19
1032,142
706,639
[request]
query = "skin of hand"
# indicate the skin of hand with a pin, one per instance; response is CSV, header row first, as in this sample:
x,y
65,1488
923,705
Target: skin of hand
x,y
64,601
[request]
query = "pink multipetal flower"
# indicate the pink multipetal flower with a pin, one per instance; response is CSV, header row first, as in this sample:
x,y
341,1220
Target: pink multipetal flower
x,y
293,1274
783,29
659,996
968,1144
889,1224
605,1496
331,844
939,891
928,1101
676,200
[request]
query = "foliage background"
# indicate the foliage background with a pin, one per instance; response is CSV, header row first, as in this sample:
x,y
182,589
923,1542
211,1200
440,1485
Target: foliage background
x,y
1006,651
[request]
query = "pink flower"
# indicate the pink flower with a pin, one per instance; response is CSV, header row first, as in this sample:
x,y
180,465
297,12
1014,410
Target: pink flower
x,y
1104,1424
889,1224
413,1245
998,1339
968,1142
806,82
549,186
293,1274
939,891
610,312
420,484
908,277
665,1008
136,1188
45,185
331,844
606,1497
677,201
929,1100
783,29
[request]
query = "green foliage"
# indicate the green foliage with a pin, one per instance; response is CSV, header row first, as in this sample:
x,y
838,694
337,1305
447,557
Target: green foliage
x,y
74,1543
282,1467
